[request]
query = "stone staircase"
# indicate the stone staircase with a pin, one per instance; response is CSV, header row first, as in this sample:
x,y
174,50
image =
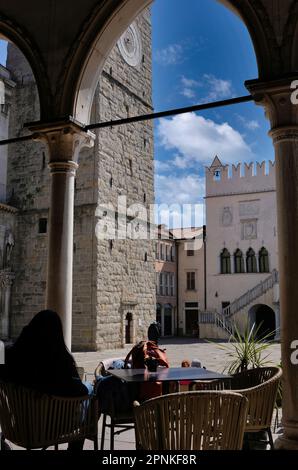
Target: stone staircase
x,y
225,321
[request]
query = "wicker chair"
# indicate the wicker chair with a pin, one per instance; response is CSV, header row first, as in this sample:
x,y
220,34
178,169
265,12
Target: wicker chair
x,y
191,421
260,387
36,420
119,422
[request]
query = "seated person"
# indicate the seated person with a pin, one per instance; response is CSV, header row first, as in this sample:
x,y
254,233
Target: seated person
x,y
39,359
140,353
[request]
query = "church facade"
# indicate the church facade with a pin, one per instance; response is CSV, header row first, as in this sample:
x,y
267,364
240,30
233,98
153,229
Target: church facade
x,y
114,278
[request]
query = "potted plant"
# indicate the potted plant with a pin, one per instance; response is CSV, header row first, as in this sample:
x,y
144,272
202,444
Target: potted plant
x,y
247,350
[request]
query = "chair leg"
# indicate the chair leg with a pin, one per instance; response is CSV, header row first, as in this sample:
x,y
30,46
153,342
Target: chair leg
x,y
95,440
103,430
112,431
56,447
270,438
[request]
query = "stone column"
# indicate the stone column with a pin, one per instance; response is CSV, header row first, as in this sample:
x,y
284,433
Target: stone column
x,y
6,280
283,115
64,141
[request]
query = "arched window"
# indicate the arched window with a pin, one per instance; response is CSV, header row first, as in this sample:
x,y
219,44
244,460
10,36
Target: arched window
x,y
238,262
251,261
225,262
263,260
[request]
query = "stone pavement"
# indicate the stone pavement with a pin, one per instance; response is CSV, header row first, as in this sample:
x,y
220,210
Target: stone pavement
x,y
208,353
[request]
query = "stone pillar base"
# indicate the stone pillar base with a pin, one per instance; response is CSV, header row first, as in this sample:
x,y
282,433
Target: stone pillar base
x,y
283,443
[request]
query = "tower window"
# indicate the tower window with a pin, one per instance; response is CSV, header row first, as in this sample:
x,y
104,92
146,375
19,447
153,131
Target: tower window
x,y
42,225
217,175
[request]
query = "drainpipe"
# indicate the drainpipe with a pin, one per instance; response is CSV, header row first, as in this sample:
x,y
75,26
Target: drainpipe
x,y
205,268
176,287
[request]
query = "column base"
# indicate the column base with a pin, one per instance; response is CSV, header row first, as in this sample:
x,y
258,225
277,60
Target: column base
x,y
283,443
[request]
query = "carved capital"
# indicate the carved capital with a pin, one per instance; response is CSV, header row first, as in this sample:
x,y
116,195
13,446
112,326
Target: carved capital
x,y
64,139
277,97
284,134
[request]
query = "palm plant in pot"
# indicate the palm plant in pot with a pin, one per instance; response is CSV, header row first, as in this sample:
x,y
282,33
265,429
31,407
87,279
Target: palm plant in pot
x,y
248,350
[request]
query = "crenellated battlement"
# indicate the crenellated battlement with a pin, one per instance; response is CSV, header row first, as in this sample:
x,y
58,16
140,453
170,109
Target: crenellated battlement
x,y
241,178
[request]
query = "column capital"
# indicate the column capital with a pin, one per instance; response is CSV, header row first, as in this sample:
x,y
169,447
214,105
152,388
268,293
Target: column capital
x,y
65,139
278,97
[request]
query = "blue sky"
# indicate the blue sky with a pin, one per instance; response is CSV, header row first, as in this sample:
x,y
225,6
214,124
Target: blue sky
x,y
3,50
202,53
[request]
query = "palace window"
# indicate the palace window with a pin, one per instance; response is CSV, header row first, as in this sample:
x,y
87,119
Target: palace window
x,y
173,253
167,279
263,260
162,253
161,283
172,285
251,261
225,262
238,262
191,281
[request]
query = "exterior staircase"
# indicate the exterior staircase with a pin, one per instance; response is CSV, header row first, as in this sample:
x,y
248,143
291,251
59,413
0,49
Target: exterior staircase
x,y
225,321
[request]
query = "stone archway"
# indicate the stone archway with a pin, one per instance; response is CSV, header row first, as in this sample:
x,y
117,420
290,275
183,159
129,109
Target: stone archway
x,y
93,59
263,317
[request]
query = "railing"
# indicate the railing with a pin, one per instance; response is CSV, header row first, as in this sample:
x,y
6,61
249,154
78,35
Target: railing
x,y
224,320
251,295
214,318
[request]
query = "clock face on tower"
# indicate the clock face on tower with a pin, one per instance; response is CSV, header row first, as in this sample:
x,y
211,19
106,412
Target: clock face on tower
x,y
130,45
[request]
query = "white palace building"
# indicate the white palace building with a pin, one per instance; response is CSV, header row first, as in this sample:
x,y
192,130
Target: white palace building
x,y
241,254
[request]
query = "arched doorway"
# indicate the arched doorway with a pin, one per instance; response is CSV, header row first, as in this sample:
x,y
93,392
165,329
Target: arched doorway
x,y
128,328
263,317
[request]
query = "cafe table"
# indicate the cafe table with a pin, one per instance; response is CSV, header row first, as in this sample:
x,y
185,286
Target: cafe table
x,y
166,375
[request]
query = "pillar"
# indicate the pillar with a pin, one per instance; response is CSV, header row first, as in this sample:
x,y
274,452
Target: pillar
x,y
64,141
6,283
283,114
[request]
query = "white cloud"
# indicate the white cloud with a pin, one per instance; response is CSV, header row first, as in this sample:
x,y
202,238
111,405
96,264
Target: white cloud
x,y
188,93
179,200
185,189
214,88
180,162
252,125
161,166
218,88
189,82
189,87
170,55
198,140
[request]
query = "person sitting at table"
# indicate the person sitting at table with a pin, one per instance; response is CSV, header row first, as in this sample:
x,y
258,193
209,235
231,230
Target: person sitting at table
x,y
141,353
39,359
